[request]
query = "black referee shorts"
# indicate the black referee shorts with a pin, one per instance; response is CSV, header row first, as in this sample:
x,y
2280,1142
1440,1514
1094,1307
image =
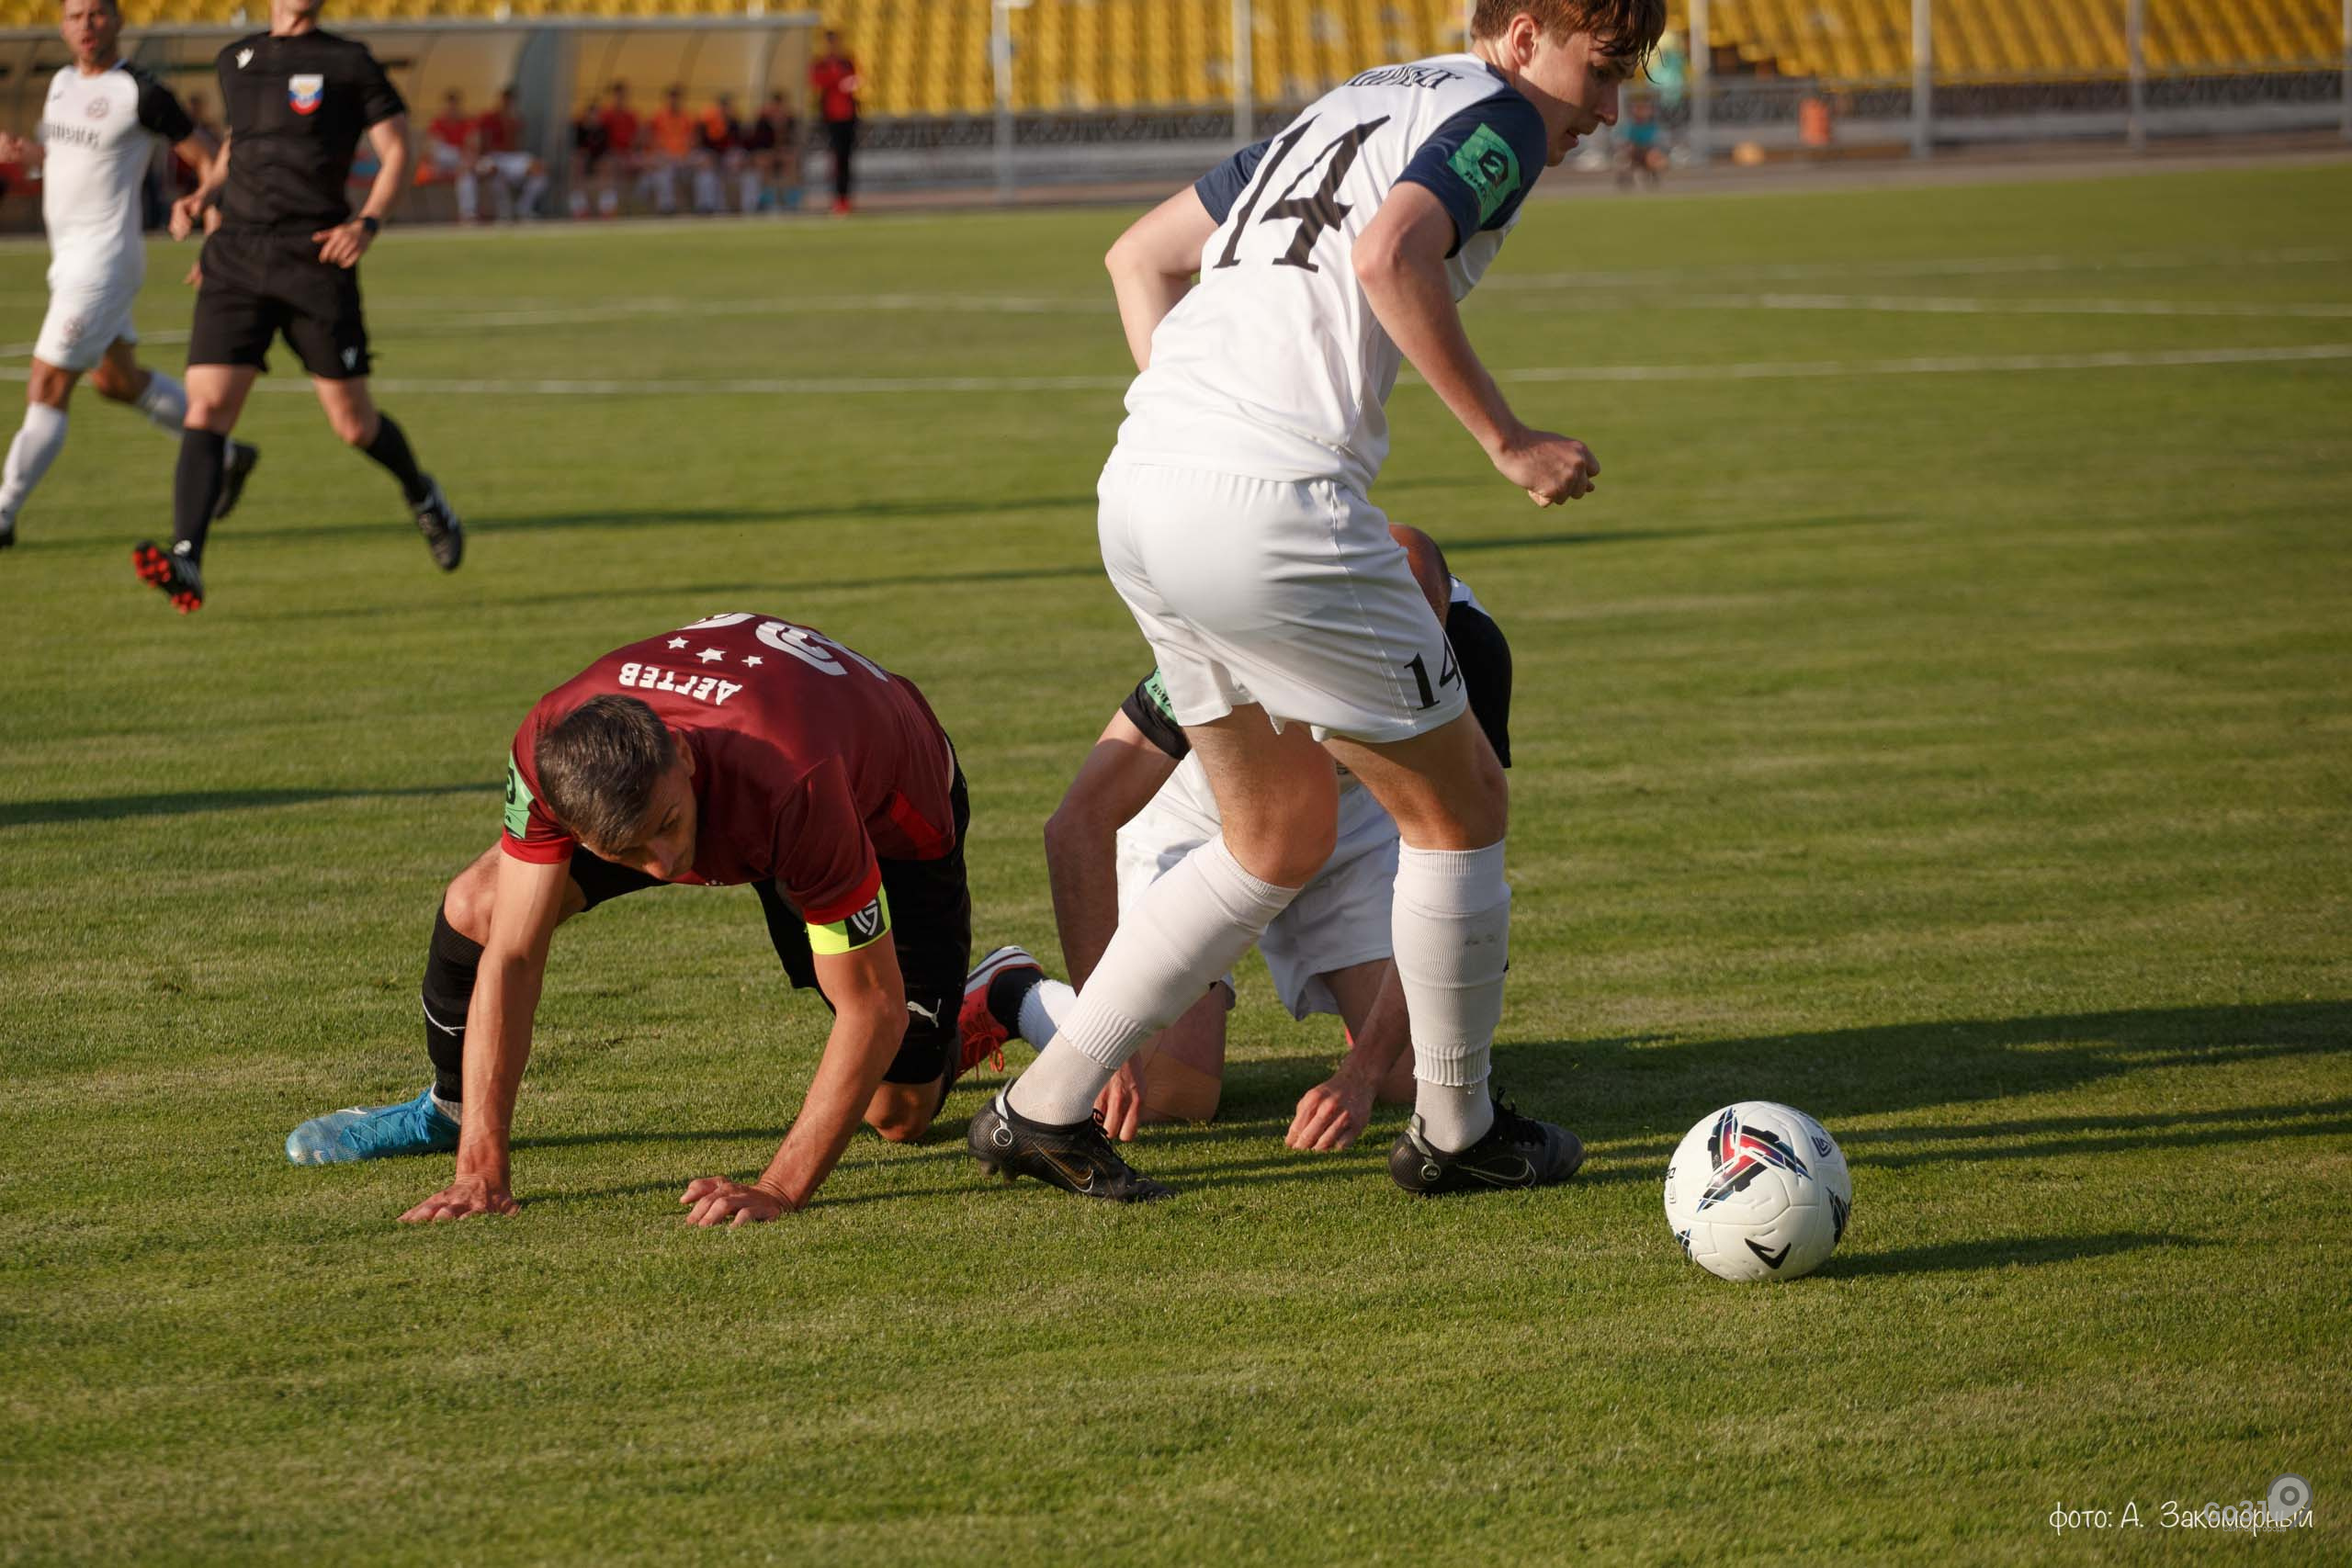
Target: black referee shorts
x,y
258,285
930,923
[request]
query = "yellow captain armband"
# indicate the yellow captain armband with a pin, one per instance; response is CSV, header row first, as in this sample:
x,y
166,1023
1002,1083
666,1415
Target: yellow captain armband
x,y
862,929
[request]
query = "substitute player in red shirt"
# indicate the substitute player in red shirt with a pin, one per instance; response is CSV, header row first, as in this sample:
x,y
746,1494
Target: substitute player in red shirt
x,y
742,749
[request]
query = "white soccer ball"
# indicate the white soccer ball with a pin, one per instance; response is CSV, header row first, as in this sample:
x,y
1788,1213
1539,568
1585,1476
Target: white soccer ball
x,y
1757,1191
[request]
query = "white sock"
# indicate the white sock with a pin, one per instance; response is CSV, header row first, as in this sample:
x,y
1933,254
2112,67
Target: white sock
x,y
1186,931
30,456
1450,925
1042,1010
531,189
164,402
749,187
449,1108
469,198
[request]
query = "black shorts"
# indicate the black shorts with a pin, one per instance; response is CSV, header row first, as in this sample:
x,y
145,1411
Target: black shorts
x,y
258,285
930,923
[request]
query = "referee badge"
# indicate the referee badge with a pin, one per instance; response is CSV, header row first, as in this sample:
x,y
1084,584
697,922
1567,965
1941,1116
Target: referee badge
x,y
304,93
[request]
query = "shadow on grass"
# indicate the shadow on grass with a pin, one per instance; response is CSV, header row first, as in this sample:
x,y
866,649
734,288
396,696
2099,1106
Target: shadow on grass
x,y
1620,1087
189,803
1996,1252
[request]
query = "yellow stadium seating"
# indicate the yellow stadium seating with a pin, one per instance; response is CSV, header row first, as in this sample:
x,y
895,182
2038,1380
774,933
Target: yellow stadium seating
x,y
930,57
2017,40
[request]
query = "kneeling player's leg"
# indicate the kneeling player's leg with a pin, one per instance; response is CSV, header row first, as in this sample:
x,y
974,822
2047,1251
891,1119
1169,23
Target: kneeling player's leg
x,y
1451,923
1279,802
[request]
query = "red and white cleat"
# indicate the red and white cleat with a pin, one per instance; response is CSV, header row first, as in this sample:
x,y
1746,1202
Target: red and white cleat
x,y
983,1032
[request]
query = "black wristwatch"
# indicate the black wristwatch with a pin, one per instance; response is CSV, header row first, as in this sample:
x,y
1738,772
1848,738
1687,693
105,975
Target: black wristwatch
x,y
370,224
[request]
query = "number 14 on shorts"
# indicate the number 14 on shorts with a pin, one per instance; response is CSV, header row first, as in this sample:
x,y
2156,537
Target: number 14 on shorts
x,y
1449,674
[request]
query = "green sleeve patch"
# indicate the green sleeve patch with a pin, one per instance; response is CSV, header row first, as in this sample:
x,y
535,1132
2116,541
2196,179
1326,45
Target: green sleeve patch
x,y
1156,688
1489,168
861,929
518,803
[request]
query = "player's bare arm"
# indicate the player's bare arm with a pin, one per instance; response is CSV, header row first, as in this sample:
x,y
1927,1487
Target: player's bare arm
x,y
1117,781
1334,1112
869,999
524,914
1400,263
198,206
346,242
1153,263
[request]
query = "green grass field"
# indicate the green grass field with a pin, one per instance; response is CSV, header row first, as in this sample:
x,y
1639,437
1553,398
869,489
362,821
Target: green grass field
x,y
1929,723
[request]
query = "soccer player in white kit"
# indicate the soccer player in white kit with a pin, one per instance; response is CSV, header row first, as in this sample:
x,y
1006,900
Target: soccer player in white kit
x,y
1234,524
99,131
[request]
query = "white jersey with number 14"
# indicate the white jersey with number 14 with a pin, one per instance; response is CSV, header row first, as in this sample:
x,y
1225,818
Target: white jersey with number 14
x,y
1274,365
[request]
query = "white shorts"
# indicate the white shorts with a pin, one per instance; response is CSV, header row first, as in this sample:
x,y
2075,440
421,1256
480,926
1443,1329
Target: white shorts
x,y
1338,921
1291,595
88,311
512,167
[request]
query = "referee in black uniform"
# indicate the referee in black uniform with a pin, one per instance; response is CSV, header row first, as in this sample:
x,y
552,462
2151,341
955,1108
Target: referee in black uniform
x,y
284,259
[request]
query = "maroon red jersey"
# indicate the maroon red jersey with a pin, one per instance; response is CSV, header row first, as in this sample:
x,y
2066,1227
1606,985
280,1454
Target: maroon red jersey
x,y
812,762
500,132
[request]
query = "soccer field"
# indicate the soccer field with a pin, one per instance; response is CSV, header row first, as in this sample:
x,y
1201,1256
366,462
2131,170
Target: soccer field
x,y
1940,720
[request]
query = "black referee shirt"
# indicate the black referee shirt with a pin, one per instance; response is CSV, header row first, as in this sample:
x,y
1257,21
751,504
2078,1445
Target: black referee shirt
x,y
297,108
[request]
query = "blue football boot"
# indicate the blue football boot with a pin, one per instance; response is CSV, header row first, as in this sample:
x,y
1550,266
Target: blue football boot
x,y
412,1127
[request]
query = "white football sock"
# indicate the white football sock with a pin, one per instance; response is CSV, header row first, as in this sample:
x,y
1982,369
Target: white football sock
x,y
30,456
1187,930
452,1108
1042,1010
468,197
1450,925
164,402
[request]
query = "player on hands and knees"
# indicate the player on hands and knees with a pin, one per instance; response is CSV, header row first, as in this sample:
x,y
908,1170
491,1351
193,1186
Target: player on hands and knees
x,y
740,749
285,259
98,136
1234,524
1137,806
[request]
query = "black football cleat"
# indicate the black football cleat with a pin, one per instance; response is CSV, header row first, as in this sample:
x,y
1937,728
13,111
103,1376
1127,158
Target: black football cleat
x,y
243,458
175,573
7,532
1077,1158
438,521
1518,1151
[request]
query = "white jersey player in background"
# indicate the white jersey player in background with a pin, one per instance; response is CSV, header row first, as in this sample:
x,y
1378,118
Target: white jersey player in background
x,y
98,133
1235,526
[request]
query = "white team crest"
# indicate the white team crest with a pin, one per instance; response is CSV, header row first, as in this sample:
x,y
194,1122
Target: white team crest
x,y
350,357
244,58
304,93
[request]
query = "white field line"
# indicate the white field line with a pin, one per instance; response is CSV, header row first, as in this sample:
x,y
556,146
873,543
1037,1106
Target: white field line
x,y
1768,370
1897,304
1925,267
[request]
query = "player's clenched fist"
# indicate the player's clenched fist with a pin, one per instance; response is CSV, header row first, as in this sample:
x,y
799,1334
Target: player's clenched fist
x,y
467,1195
1550,468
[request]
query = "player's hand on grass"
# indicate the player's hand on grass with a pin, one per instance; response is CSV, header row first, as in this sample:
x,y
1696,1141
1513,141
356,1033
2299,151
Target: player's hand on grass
x,y
467,1195
1331,1115
1121,1103
721,1200
1551,468
345,244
